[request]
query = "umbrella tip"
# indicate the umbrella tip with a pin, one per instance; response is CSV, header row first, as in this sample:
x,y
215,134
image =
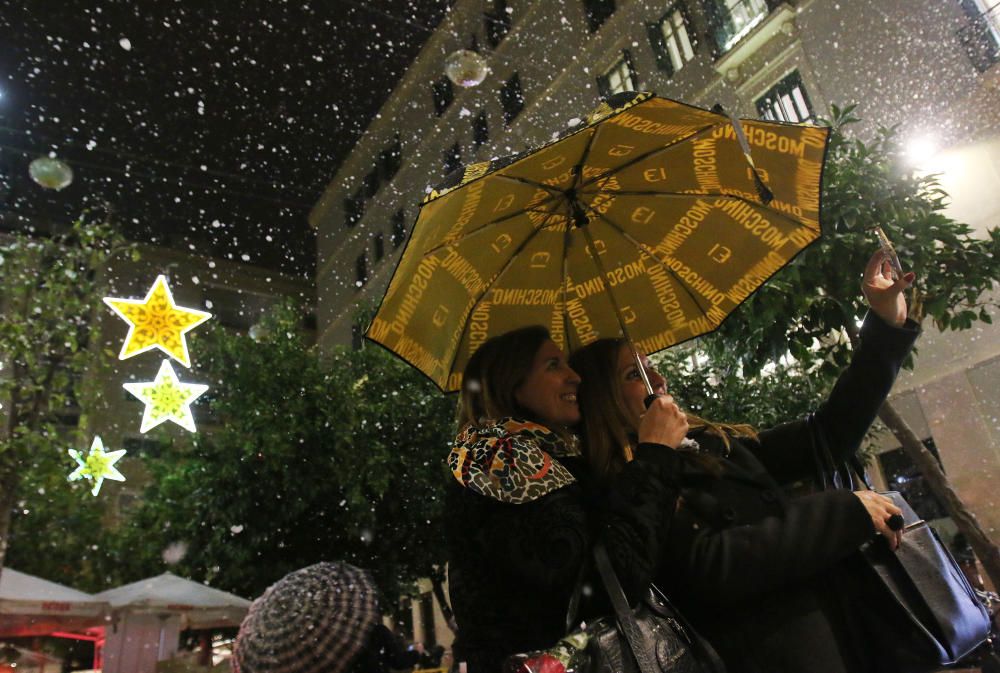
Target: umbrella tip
x,y
763,192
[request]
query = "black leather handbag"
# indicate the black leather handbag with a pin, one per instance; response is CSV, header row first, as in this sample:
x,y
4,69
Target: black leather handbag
x,y
652,637
915,609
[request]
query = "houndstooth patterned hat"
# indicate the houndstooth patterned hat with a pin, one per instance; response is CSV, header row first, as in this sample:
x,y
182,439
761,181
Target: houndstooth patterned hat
x,y
314,620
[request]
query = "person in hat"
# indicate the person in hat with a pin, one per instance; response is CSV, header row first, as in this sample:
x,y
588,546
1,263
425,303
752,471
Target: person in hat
x,y
324,618
751,567
520,517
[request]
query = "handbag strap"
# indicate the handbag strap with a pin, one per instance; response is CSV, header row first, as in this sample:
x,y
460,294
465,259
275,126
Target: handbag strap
x,y
626,620
707,657
573,609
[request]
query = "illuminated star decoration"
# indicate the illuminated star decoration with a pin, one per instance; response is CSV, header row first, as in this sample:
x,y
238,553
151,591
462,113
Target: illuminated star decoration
x,y
166,399
97,466
157,322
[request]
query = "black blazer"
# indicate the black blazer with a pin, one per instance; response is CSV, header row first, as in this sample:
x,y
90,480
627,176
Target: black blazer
x,y
751,567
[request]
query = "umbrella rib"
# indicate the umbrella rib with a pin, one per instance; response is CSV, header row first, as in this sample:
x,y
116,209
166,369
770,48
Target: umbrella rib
x,y
488,287
772,211
720,195
499,220
540,185
577,180
646,155
563,287
649,251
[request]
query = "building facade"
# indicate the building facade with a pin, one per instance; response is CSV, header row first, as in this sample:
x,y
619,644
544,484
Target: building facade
x,y
928,66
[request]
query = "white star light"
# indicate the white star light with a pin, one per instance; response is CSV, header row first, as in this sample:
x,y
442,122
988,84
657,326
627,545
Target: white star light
x,y
97,466
166,399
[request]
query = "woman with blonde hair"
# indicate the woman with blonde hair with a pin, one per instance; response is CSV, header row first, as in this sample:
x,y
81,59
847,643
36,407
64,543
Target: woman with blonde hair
x,y
521,513
750,566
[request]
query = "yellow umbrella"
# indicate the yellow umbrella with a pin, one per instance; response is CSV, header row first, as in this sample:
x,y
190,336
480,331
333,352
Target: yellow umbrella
x,y
647,218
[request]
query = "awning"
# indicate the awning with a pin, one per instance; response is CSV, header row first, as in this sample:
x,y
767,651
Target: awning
x,y
31,606
200,606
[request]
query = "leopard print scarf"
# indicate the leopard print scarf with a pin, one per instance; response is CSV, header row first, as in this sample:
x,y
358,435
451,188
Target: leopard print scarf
x,y
510,460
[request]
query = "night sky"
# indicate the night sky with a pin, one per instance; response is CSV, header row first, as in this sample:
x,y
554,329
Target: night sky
x,y
206,125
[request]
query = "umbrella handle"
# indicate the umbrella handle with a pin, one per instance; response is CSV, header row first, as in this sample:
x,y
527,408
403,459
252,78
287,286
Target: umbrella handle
x,y
649,399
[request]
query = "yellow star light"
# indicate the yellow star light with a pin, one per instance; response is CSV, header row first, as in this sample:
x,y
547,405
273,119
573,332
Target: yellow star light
x,y
157,322
166,399
97,466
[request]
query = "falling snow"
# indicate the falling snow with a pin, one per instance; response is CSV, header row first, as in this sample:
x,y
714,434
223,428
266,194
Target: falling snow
x,y
245,123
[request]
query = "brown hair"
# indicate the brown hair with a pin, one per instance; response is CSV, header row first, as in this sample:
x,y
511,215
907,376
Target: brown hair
x,y
495,371
605,428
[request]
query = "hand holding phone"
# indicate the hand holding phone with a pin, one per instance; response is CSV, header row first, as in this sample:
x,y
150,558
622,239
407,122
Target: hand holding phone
x,y
890,253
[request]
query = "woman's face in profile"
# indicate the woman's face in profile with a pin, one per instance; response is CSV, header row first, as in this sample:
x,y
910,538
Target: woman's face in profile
x,y
632,388
549,391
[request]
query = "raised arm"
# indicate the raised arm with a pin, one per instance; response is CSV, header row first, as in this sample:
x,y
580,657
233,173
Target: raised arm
x,y
886,337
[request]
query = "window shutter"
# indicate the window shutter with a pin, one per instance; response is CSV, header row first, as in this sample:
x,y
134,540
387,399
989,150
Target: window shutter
x,y
603,86
659,47
689,25
633,74
716,29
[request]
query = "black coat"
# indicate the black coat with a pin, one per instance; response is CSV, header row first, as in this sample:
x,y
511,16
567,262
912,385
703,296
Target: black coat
x,y
513,567
755,570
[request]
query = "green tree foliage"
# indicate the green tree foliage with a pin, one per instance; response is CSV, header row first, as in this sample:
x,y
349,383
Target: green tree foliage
x,y
811,309
303,459
51,290
717,390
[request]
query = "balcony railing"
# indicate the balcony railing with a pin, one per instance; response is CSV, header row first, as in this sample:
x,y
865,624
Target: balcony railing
x,y
981,37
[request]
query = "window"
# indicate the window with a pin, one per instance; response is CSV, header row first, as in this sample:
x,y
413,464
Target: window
x,y
235,308
144,447
371,183
903,476
403,618
427,620
671,40
497,23
732,20
619,77
379,246
981,35
443,94
361,270
786,101
452,158
597,12
480,129
354,208
390,159
398,228
511,98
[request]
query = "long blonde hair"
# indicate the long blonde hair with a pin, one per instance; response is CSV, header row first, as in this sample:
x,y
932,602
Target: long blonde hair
x,y
605,429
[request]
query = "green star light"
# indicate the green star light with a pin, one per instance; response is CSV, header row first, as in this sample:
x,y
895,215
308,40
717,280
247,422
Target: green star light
x,y
97,466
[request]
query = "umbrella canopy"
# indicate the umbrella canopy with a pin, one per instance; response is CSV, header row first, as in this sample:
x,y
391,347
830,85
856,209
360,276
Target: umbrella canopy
x,y
31,606
650,197
200,606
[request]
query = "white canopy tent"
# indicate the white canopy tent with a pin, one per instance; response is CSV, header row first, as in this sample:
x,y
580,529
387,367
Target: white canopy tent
x,y
148,616
31,606
199,606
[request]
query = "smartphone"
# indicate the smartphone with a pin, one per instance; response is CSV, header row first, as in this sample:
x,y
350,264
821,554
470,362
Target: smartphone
x,y
890,253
